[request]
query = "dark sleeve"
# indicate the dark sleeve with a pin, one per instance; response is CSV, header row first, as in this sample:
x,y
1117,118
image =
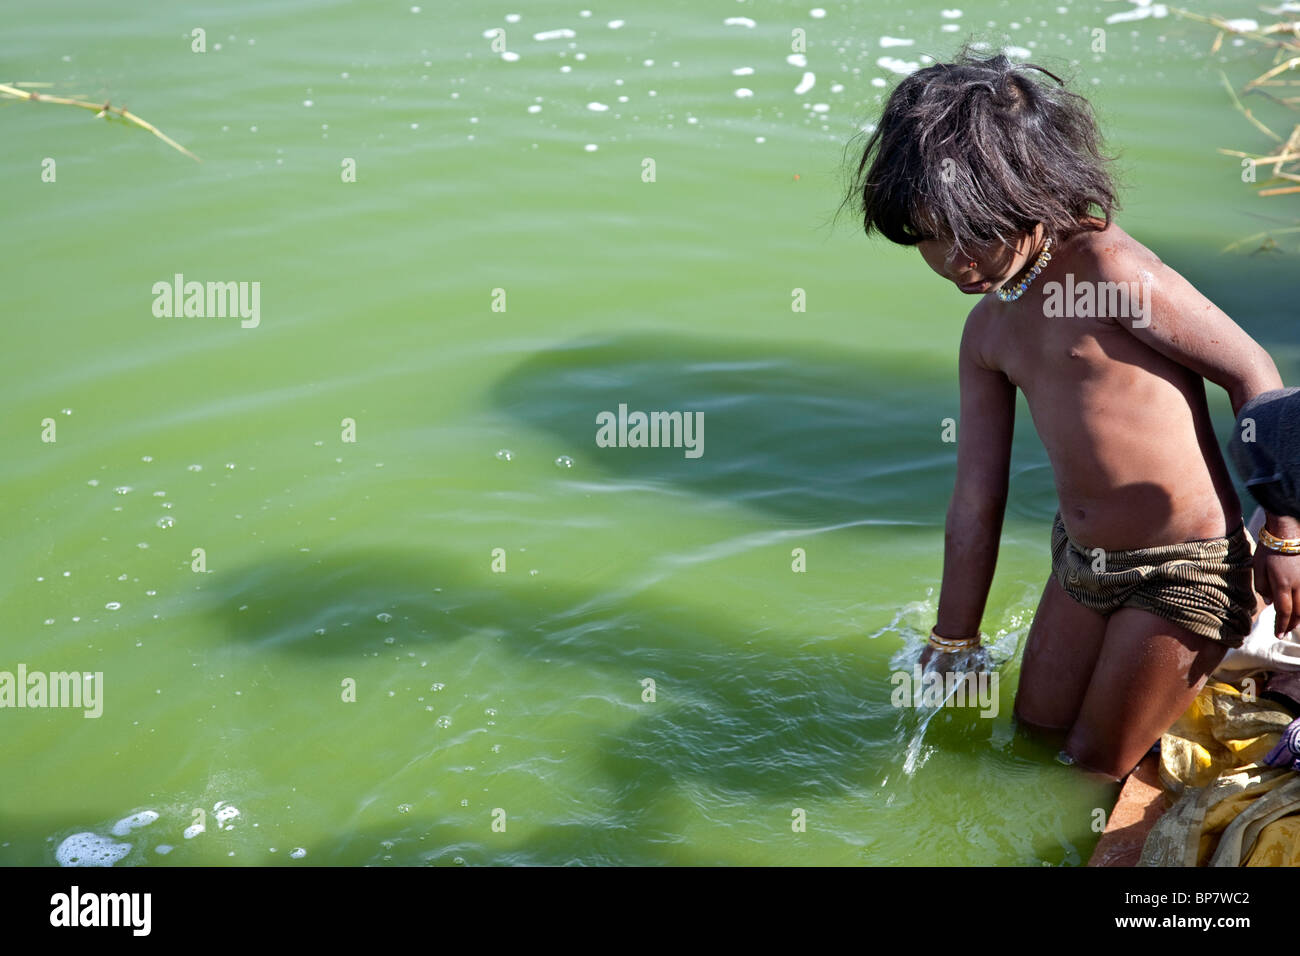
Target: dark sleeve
x,y
1265,449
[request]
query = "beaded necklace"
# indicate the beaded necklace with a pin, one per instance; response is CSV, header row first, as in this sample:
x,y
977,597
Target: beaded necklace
x,y
1024,283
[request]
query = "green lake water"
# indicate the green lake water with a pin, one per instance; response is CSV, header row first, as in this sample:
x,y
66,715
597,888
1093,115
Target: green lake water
x,y
520,695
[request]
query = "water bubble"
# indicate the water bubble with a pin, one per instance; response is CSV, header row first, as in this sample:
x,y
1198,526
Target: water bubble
x,y
505,454
94,482
231,465
113,606
403,808
67,411
458,860
146,458
564,461
166,521
436,686
534,572
90,849
389,640
443,721
298,853
464,803
194,468
383,616
491,711
123,489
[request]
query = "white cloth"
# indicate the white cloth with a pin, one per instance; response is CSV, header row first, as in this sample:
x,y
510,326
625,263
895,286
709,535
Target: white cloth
x,y
1262,650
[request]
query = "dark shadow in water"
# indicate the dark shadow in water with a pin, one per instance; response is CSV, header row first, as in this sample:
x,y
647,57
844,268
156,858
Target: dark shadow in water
x,y
814,435
742,720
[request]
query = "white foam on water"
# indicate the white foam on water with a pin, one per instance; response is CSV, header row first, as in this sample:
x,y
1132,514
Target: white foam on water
x,y
1242,25
797,59
90,849
591,147
744,93
512,18
225,814
127,824
509,56
163,848
193,830
950,28
563,33
895,41
816,13
739,22
820,107
807,83
1017,51
1143,10
743,71
895,65
532,108
837,87
878,82
950,14
597,107
613,25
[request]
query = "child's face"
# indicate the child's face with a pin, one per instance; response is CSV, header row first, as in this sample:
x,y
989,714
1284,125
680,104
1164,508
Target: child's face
x,y
981,268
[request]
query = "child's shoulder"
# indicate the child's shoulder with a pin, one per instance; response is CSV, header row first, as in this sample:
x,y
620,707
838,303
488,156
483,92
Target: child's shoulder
x,y
1107,253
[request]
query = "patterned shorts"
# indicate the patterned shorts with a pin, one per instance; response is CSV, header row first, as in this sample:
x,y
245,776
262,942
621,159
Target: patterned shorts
x,y
1203,586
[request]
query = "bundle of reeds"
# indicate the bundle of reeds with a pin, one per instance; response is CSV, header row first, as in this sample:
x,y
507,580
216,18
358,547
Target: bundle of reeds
x,y
28,91
1282,39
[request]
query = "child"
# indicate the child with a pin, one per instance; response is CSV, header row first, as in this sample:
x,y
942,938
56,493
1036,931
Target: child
x,y
997,177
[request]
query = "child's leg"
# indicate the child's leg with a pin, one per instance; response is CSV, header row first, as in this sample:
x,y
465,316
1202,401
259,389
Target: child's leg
x,y
1065,640
1148,673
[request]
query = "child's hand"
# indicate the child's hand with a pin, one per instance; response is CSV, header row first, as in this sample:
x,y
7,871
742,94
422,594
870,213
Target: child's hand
x,y
1277,579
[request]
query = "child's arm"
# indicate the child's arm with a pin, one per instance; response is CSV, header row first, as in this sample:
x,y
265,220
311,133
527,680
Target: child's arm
x,y
979,497
1188,328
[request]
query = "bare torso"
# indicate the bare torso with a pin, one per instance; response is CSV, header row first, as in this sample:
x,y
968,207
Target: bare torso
x,y
1127,429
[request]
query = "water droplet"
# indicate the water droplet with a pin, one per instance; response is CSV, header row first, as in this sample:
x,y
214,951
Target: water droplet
x,y
443,721
403,808
166,521
194,468
491,711
436,686
564,461
123,489
505,454
298,853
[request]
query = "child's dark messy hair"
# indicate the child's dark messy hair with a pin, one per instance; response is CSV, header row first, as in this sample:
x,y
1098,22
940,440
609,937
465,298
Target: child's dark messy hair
x,y
981,150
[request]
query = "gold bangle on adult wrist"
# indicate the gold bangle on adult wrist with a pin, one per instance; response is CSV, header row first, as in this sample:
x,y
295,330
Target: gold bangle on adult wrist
x,y
950,644
1280,545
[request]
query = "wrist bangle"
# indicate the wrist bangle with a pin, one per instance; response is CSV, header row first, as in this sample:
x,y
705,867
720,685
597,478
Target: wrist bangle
x,y
950,644
1280,545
